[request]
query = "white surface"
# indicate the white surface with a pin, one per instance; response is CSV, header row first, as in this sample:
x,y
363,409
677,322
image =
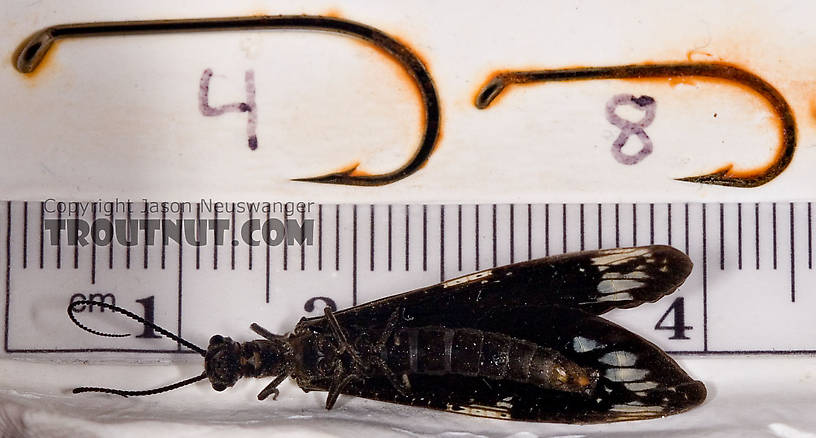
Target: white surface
x,y
117,117
751,397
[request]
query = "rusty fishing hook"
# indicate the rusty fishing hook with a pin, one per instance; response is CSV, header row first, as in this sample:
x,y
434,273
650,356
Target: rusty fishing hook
x,y
32,50
723,176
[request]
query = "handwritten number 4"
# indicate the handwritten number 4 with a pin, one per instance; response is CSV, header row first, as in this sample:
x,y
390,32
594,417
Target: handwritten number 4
x,y
248,107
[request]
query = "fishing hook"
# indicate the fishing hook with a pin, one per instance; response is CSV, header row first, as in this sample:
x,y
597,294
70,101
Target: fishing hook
x,y
31,52
723,176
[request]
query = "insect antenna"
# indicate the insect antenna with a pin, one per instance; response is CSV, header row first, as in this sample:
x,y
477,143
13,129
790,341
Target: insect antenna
x,y
131,315
125,393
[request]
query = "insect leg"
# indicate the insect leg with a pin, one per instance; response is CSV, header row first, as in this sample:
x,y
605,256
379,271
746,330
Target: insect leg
x,y
272,388
389,329
338,384
342,339
264,332
403,386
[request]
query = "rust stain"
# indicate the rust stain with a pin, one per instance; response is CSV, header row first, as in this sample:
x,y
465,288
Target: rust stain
x,y
333,12
813,108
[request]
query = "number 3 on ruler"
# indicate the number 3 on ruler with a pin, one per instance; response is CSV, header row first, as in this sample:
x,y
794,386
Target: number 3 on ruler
x,y
678,310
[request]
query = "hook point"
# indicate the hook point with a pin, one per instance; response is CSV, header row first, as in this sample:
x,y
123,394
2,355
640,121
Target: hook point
x,y
720,178
341,177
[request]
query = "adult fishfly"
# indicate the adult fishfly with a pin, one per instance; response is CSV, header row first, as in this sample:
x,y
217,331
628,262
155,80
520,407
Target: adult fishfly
x,y
523,342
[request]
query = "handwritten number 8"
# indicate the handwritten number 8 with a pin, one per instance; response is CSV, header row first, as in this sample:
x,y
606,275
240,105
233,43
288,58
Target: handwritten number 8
x,y
649,106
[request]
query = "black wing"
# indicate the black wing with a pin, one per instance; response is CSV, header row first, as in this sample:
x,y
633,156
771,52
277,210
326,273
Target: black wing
x,y
593,281
636,380
552,302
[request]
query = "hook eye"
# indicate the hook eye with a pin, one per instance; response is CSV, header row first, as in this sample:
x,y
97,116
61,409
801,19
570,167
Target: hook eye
x,y
724,176
31,52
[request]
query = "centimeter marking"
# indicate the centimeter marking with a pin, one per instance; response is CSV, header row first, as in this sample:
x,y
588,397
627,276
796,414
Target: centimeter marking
x,y
499,230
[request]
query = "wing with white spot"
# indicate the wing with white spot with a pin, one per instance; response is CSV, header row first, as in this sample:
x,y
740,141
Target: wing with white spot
x,y
598,281
593,281
636,379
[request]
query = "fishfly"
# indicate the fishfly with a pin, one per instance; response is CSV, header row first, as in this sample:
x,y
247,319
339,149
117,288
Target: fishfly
x,y
520,342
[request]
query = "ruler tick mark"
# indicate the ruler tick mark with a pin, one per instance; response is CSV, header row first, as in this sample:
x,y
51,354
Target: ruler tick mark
x,y
669,222
424,237
459,233
529,232
477,236
164,235
128,241
773,207
76,236
390,237
407,237
617,225
249,255
59,239
634,225
687,227
146,230
302,240
792,257
180,275
25,234
651,224
581,220
722,237
739,236
337,237
442,242
42,234
93,243
810,236
512,234
268,273
112,240
215,241
705,280
198,236
371,226
547,230
8,276
284,243
354,256
756,221
320,237
564,228
495,243
600,225
232,238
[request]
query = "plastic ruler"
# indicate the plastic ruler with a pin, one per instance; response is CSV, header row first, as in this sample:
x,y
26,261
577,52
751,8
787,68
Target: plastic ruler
x,y
751,290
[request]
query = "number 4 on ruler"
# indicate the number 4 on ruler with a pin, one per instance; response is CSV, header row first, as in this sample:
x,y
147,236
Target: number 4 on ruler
x,y
678,310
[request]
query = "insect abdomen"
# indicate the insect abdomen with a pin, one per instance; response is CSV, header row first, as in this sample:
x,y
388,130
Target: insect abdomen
x,y
436,350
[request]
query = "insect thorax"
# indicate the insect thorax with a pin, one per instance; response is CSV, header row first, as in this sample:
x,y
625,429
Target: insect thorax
x,y
227,360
